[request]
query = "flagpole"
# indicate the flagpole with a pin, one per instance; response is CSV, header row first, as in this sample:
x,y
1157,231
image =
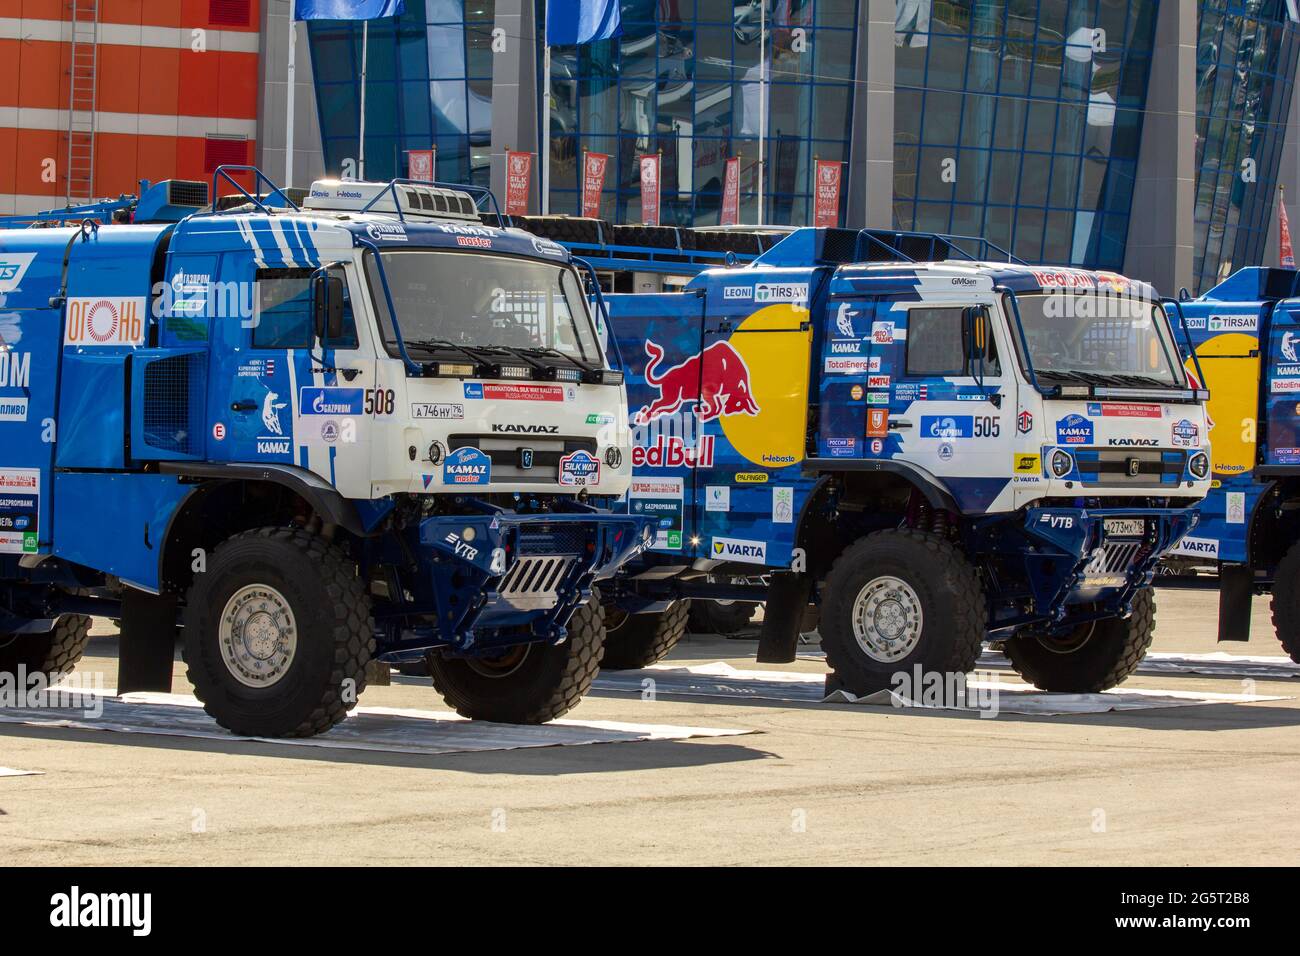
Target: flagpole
x,y
288,131
545,142
762,101
361,152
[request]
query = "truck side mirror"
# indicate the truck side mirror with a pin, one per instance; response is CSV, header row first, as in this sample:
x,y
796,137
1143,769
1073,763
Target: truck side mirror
x,y
327,306
977,332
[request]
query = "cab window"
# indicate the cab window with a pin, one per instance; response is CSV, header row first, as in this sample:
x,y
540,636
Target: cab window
x,y
284,312
937,344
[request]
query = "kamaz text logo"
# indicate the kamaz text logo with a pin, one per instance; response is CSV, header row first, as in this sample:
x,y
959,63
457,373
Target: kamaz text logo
x,y
528,429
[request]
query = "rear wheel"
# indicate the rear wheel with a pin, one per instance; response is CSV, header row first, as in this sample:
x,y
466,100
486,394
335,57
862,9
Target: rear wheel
x,y
527,683
55,652
633,641
898,600
1090,658
278,634
1286,603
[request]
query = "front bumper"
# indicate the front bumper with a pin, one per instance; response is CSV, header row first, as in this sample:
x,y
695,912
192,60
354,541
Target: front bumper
x,y
498,577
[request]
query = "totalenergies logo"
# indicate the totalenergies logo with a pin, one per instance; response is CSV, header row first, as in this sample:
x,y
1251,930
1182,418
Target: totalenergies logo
x,y
755,386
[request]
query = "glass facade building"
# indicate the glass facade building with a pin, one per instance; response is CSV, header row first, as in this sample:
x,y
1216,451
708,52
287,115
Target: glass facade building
x,y
1020,121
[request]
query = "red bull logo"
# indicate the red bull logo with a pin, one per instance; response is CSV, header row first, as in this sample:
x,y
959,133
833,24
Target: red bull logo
x,y
715,380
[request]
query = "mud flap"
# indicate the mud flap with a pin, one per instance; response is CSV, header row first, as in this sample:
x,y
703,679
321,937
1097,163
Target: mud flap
x,y
1236,588
787,598
146,648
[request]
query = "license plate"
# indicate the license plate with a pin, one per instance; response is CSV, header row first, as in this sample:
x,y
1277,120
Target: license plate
x,y
1125,527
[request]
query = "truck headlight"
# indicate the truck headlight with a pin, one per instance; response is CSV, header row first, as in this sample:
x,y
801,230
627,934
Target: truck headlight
x,y
1062,463
613,457
435,453
1199,464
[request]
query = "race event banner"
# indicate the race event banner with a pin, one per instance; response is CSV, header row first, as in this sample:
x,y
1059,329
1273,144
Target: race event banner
x,y
731,193
826,210
593,182
420,165
650,190
519,179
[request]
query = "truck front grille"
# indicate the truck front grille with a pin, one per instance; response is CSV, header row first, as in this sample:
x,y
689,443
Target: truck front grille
x,y
506,454
533,581
1110,466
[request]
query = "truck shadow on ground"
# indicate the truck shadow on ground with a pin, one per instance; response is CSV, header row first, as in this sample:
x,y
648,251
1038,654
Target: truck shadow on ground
x,y
612,756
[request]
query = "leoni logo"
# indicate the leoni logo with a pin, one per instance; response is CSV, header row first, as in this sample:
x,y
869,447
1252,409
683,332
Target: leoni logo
x,y
738,292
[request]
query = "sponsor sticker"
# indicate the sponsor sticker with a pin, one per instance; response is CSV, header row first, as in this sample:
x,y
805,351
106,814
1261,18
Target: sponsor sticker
x,y
1074,430
717,498
1234,323
771,292
947,426
317,400
1285,385
875,398
1124,410
13,409
441,411
751,477
521,392
671,451
1201,547
1026,463
783,505
473,389
1236,507
105,322
738,292
1025,422
842,447
1186,434
467,466
661,499
878,381
877,421
20,495
838,365
856,393
579,469
219,431
13,266
739,549
882,333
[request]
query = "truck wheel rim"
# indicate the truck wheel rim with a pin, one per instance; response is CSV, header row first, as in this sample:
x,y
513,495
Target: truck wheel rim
x,y
258,635
887,619
503,665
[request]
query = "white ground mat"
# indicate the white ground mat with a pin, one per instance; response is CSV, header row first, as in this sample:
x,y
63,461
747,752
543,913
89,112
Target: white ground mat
x,y
1217,664
985,691
11,772
366,728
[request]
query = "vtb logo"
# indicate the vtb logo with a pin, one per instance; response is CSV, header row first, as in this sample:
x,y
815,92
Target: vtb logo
x,y
715,380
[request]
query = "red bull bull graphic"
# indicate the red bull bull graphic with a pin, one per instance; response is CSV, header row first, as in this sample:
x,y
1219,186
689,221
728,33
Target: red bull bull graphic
x,y
716,381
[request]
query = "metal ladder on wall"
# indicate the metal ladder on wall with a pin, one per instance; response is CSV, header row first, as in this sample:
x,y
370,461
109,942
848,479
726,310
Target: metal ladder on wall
x,y
82,80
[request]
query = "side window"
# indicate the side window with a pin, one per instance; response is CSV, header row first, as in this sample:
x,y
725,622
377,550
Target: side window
x,y
937,344
285,319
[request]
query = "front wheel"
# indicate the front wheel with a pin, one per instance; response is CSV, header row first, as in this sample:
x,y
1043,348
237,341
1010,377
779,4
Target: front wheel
x,y
721,617
1089,658
55,652
526,683
1286,603
896,601
278,634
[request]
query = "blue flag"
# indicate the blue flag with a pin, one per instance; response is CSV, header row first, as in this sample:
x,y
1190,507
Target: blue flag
x,y
570,22
347,9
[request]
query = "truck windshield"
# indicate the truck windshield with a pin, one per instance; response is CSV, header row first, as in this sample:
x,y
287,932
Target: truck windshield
x,y
462,300
1099,339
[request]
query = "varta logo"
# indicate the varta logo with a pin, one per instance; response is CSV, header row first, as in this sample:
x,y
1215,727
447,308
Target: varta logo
x,y
528,429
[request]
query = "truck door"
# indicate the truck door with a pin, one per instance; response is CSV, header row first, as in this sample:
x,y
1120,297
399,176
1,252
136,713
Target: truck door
x,y
753,418
659,338
1282,396
952,397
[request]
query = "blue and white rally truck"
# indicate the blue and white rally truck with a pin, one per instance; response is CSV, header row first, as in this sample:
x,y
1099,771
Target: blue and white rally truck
x,y
1246,336
369,428
934,453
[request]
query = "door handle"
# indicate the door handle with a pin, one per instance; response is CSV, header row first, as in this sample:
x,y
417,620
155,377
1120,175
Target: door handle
x,y
896,424
247,405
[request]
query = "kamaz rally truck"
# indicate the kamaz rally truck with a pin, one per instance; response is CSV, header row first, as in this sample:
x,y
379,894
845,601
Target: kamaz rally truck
x,y
1246,334
369,428
934,453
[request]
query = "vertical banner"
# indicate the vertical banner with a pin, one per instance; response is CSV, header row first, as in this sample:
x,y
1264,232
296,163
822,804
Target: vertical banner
x,y
519,180
420,165
593,182
1285,251
826,198
650,190
731,193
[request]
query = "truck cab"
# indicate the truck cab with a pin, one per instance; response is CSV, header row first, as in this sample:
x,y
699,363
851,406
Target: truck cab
x,y
370,428
839,399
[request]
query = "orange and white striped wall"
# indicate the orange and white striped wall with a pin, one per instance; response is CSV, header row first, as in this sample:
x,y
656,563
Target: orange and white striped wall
x,y
176,89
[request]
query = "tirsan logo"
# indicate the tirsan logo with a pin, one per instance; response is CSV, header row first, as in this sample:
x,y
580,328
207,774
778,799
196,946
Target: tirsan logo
x,y
1234,323
740,549
781,292
15,369
528,429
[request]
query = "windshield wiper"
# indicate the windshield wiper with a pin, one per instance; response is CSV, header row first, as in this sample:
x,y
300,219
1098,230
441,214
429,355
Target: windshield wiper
x,y
586,367
473,355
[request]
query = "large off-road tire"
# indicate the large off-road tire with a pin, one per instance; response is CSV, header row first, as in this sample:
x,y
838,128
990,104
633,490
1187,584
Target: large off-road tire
x,y
1286,603
896,600
278,634
1089,659
718,617
633,641
56,652
527,683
